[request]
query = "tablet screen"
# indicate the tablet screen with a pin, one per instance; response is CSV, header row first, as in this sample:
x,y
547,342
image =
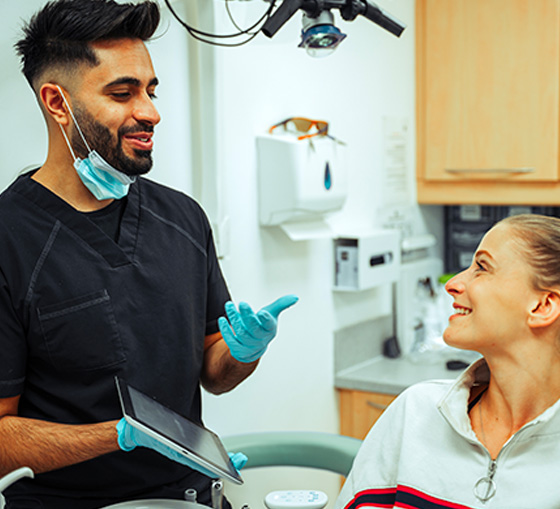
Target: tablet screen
x,y
185,434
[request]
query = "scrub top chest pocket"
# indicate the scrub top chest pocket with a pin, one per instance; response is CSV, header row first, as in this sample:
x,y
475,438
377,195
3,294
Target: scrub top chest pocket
x,y
82,333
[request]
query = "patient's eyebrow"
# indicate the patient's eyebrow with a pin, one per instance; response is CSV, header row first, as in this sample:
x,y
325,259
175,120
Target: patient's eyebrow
x,y
485,256
482,252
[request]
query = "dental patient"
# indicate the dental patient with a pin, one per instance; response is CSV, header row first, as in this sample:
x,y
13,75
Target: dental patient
x,y
491,438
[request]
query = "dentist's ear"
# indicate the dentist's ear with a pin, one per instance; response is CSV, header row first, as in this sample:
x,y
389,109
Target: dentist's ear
x,y
546,310
53,103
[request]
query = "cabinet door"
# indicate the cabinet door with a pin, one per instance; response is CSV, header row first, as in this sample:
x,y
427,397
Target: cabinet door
x,y
359,411
488,88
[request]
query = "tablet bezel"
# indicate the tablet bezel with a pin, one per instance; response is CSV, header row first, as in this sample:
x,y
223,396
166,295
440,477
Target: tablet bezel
x,y
143,425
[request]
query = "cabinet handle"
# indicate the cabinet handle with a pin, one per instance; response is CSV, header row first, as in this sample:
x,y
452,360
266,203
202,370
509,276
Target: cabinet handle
x,y
377,406
490,170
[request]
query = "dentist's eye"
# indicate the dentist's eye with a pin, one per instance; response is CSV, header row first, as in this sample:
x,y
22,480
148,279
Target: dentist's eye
x,y
479,267
120,95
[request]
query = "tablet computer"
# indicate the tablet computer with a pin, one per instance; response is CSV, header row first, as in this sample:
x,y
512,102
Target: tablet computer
x,y
194,441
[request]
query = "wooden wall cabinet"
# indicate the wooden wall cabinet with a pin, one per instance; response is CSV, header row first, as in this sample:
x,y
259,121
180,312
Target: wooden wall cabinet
x,y
488,89
359,411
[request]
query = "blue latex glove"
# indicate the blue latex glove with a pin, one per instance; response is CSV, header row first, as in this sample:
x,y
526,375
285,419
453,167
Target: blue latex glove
x,y
238,460
130,437
247,334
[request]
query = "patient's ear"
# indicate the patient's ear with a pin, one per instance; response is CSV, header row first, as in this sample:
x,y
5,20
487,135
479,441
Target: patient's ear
x,y
546,310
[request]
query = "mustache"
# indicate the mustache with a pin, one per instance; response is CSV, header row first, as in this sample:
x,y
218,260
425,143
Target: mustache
x,y
140,127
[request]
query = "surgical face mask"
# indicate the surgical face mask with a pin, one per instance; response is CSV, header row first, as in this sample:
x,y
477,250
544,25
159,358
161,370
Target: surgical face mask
x,y
102,180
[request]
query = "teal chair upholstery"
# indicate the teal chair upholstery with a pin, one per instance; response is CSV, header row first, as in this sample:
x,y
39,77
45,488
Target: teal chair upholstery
x,y
323,451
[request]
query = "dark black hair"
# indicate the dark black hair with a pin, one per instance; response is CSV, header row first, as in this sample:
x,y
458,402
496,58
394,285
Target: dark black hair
x,y
61,32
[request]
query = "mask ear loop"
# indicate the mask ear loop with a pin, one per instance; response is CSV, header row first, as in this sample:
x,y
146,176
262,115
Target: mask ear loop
x,y
67,142
75,123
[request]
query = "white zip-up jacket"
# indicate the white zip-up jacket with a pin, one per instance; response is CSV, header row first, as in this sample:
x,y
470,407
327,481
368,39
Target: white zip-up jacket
x,y
423,454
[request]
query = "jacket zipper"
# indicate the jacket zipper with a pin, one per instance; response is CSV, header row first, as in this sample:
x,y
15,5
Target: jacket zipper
x,y
485,487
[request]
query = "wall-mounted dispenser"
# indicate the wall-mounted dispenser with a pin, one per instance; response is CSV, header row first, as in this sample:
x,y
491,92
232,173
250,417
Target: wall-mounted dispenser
x,y
300,181
366,261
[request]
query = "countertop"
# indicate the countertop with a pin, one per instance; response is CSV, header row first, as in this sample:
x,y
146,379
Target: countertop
x,y
391,376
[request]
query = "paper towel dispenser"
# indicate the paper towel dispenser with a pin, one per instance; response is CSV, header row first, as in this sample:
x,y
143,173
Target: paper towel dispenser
x,y
299,180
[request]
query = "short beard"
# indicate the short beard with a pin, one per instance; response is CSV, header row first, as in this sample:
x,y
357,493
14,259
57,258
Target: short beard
x,y
100,139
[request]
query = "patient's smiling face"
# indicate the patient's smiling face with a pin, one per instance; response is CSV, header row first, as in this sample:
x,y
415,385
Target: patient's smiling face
x,y
492,298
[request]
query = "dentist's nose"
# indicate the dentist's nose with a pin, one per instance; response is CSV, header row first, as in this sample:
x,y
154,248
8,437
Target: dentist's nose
x,y
146,112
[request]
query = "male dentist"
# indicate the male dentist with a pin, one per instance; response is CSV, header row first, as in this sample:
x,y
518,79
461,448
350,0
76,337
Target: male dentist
x,y
105,273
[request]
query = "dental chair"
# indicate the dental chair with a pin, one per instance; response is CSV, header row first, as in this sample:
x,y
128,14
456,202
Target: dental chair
x,y
323,451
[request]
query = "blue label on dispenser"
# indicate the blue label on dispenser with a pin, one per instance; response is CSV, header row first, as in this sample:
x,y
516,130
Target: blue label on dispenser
x,y
328,177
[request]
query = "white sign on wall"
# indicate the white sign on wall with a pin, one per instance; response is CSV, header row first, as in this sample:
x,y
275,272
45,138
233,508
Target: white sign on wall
x,y
396,178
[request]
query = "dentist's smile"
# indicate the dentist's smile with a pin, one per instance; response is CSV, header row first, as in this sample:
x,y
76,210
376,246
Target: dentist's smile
x,y
140,141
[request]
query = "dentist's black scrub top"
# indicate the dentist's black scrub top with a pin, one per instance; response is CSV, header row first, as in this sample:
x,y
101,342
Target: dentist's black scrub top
x,y
76,309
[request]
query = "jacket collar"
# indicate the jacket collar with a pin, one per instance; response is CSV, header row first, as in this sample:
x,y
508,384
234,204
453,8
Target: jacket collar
x,y
454,405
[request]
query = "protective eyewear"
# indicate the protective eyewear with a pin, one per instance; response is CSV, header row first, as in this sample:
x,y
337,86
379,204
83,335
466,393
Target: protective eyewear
x,y
303,125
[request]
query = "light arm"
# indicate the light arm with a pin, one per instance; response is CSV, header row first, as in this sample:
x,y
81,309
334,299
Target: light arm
x,y
349,9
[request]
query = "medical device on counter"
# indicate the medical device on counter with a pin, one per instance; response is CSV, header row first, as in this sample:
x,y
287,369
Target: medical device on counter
x,y
417,283
370,260
367,260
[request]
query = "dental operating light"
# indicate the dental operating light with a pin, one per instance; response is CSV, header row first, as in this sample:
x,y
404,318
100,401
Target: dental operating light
x,y
319,36
319,33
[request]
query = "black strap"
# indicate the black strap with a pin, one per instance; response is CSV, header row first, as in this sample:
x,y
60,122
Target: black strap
x,y
477,399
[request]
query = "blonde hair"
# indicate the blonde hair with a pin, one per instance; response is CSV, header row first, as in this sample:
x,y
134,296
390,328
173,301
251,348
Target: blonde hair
x,y
538,237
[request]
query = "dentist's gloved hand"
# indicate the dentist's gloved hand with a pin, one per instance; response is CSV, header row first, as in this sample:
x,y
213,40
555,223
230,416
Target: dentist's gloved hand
x,y
130,437
238,460
252,332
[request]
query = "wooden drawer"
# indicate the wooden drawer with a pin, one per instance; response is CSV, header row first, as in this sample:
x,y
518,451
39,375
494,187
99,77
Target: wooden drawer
x,y
359,410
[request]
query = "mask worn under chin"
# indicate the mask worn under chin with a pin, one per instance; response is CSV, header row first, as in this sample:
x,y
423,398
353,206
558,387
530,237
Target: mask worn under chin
x,y
101,179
